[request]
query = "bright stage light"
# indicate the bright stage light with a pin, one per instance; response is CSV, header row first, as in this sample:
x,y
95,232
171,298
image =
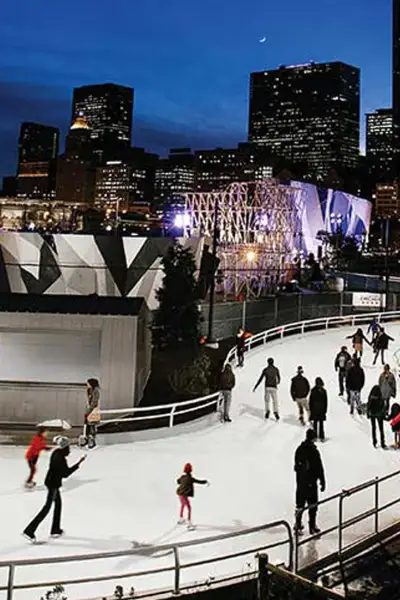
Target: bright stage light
x,y
182,220
251,255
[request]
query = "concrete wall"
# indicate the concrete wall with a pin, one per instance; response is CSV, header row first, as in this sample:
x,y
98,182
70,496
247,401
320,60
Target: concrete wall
x,y
33,402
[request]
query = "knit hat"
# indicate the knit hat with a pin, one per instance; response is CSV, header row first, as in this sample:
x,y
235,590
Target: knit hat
x,y
61,441
187,468
310,435
300,370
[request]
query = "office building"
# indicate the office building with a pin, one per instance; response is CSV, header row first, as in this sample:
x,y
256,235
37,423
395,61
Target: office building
x,y
108,111
396,87
387,200
308,114
218,168
9,186
37,153
174,176
379,145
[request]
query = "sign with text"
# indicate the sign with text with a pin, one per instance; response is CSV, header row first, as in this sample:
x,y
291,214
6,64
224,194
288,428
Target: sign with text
x,y
369,300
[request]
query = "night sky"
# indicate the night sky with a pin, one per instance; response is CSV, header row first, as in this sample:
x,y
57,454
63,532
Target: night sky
x,y
188,60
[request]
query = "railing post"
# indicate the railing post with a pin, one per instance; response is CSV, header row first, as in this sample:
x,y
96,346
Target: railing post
x,y
10,582
376,504
340,523
171,416
177,572
263,577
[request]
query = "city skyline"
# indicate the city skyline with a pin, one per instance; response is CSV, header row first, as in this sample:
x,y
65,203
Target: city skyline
x,y
201,101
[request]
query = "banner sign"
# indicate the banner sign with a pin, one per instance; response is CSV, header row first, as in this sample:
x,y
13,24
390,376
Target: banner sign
x,y
369,300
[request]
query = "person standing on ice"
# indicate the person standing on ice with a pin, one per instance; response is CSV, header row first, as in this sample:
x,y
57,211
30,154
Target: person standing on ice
x,y
92,410
387,385
272,379
381,344
299,390
355,384
227,383
376,411
341,361
37,445
185,491
240,346
309,471
358,338
318,408
58,470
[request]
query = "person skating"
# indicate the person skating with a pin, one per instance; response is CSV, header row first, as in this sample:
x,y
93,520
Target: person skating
x,y
318,408
394,419
309,471
299,390
240,346
381,344
374,328
387,384
272,379
185,491
37,445
92,410
358,338
58,470
349,365
341,361
227,383
376,410
355,384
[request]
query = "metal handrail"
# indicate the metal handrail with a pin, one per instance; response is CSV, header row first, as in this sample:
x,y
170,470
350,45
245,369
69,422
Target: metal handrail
x,y
174,548
345,524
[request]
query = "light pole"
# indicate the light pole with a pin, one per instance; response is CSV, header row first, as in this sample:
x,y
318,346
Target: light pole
x,y
387,276
210,339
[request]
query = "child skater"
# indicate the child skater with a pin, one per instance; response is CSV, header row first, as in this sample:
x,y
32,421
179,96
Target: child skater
x,y
37,444
185,491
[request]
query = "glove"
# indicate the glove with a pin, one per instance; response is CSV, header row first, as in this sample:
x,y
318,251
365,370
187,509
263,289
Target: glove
x,y
323,486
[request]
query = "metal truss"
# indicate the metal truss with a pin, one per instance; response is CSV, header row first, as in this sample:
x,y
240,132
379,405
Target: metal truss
x,y
257,228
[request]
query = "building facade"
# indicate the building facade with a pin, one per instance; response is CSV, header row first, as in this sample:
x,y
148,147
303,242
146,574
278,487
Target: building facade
x,y
37,154
174,176
108,111
396,87
308,113
379,145
387,200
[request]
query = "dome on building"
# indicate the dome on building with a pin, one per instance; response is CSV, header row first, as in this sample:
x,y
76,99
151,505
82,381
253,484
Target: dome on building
x,y
79,123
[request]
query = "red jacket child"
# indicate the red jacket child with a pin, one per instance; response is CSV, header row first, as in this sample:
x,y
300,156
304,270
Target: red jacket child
x,y
37,444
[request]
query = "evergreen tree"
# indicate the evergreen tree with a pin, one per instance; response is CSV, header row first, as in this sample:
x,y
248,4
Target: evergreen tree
x,y
177,320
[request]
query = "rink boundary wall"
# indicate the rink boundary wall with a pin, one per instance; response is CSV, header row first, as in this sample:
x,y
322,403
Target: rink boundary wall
x,y
168,413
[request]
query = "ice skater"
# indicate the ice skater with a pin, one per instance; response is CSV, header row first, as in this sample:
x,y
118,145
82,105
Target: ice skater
x,y
58,470
272,379
376,411
341,361
37,445
240,346
92,412
381,344
185,491
299,390
358,338
374,328
227,383
387,385
355,384
394,418
318,408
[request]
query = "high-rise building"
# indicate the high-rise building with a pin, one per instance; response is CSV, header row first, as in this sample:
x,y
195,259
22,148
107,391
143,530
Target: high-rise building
x,y
174,176
396,88
108,110
308,113
379,145
218,168
76,172
37,153
387,202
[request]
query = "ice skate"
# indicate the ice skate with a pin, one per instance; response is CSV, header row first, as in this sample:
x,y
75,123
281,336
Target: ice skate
x,y
302,422
277,417
315,530
57,534
30,537
267,414
181,522
30,485
298,529
190,526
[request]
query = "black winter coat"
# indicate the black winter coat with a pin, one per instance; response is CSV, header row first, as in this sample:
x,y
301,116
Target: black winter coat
x,y
341,361
318,404
376,407
308,465
382,341
185,485
355,379
300,388
58,468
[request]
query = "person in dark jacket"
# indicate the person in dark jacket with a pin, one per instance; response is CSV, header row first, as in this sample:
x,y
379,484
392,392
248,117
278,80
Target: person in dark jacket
x,y
358,338
388,387
349,365
355,383
299,390
318,408
272,379
381,344
185,491
376,410
374,327
227,383
394,418
240,346
58,470
341,361
309,470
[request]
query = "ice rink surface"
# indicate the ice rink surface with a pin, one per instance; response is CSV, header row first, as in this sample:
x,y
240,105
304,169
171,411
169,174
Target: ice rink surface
x,y
126,492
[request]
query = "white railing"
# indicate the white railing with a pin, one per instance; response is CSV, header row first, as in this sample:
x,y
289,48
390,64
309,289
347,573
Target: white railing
x,y
166,413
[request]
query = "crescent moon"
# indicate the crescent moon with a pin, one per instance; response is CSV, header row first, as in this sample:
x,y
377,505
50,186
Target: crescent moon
x,y
264,39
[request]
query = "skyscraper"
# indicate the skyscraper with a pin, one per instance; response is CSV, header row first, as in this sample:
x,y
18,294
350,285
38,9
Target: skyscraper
x,y
308,113
37,152
396,87
379,146
174,176
108,110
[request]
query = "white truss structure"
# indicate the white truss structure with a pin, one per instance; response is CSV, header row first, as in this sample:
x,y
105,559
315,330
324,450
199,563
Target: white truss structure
x,y
257,227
